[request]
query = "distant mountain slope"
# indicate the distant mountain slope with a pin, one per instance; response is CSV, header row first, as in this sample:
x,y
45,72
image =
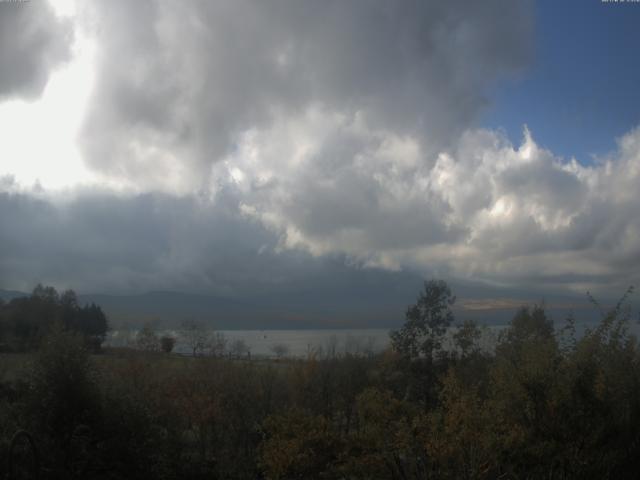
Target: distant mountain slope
x,y
8,295
291,310
368,306
170,308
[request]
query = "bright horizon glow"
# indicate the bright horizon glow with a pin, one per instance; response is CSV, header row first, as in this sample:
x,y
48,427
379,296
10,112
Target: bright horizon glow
x,y
64,8
39,137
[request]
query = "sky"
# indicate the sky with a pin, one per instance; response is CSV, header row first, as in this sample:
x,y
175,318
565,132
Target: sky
x,y
289,147
580,93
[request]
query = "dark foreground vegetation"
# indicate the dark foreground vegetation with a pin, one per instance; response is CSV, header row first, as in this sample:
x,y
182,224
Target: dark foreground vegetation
x,y
543,404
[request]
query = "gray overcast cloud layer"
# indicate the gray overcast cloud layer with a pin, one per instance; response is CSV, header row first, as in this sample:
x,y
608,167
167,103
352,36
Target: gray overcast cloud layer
x,y
182,82
267,141
32,42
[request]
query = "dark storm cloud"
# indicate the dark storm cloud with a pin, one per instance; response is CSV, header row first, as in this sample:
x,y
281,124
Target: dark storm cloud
x,y
32,42
120,243
179,82
101,242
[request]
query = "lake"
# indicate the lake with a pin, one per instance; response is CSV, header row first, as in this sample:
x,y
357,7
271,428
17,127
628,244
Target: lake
x,y
297,343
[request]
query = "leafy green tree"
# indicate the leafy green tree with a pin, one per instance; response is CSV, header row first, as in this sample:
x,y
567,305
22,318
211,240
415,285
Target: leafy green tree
x,y
69,300
167,343
426,322
530,324
45,294
524,376
26,320
93,325
467,337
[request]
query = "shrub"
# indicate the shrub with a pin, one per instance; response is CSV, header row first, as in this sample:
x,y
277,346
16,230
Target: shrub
x,y
167,343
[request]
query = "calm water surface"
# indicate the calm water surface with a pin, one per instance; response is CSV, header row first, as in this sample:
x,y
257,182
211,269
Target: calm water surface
x,y
298,343
301,343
